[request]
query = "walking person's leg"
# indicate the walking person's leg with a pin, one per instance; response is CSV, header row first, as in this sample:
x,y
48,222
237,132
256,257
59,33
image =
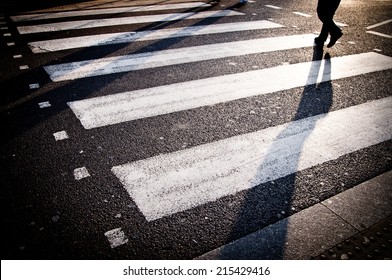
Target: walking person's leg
x,y
322,7
334,30
326,10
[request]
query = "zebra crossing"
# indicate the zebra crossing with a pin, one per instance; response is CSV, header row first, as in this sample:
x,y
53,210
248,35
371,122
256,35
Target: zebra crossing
x,y
175,182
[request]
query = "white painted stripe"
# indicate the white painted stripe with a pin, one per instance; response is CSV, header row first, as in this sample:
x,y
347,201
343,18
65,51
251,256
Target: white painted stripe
x,y
104,66
127,106
128,37
116,237
273,7
34,86
81,173
302,14
341,24
65,14
82,24
379,24
60,135
45,104
379,34
175,182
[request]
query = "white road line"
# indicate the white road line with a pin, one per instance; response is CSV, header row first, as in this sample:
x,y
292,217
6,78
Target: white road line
x,y
82,24
127,106
104,66
302,14
116,237
379,24
175,182
379,34
273,7
65,14
81,173
341,24
45,104
128,37
60,135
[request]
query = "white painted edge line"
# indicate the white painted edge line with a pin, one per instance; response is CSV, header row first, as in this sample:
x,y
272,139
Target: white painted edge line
x,y
379,24
65,14
84,24
379,34
128,37
178,181
132,105
111,65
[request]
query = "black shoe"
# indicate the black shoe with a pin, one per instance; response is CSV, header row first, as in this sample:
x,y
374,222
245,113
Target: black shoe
x,y
334,38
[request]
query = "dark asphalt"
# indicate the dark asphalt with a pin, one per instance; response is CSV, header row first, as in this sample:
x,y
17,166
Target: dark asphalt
x,y
47,214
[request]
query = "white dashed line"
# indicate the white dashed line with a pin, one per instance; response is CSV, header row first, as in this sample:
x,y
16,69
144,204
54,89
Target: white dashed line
x,y
81,173
116,237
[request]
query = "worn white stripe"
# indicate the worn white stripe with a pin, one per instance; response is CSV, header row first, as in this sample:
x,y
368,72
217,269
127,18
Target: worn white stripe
x,y
90,68
127,106
175,182
82,24
379,24
116,237
379,34
128,37
65,14
302,14
273,7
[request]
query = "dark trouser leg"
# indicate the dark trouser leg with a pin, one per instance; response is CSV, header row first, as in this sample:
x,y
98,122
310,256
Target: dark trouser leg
x,y
326,10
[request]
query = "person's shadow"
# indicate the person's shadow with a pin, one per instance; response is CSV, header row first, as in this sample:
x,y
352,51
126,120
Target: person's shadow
x,y
272,201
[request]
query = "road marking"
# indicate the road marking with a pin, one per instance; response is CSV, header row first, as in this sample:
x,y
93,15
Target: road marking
x,y
379,24
45,104
82,24
128,37
341,24
116,237
379,34
132,105
81,173
34,86
273,7
61,135
65,14
302,14
175,182
105,66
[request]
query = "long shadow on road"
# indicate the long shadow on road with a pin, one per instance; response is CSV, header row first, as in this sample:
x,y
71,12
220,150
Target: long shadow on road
x,y
275,176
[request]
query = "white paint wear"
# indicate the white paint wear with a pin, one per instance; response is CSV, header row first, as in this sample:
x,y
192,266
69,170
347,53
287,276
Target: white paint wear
x,y
129,37
175,182
83,24
127,106
118,64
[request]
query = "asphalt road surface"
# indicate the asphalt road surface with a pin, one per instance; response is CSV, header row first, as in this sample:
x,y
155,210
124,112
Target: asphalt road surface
x,y
166,129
